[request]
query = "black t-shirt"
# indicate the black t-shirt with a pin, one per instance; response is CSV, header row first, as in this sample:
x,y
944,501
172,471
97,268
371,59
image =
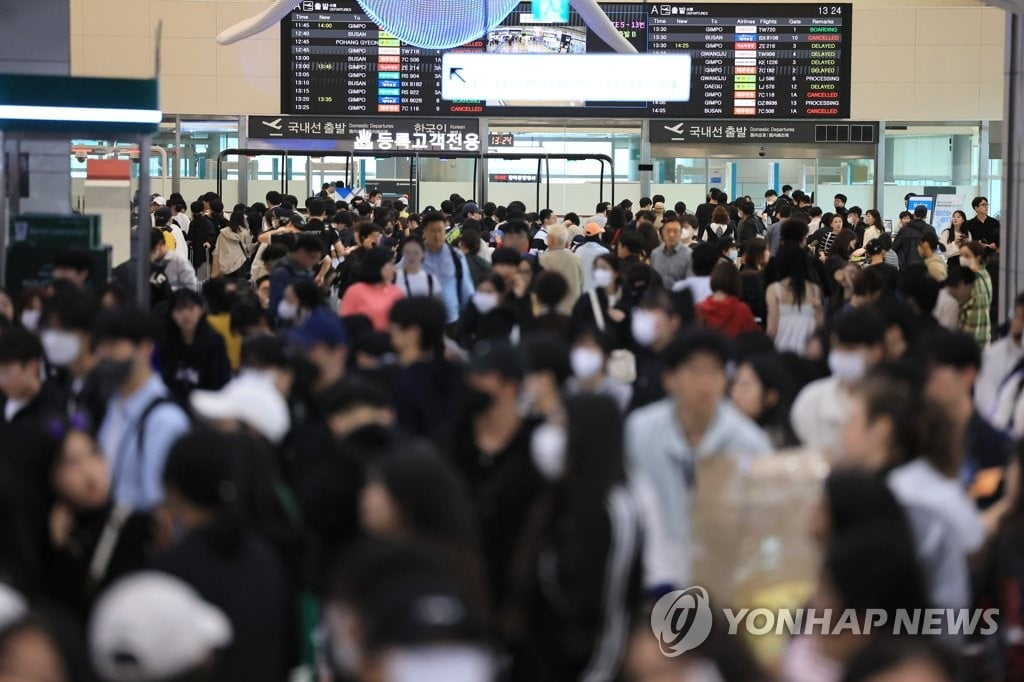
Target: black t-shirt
x,y
987,231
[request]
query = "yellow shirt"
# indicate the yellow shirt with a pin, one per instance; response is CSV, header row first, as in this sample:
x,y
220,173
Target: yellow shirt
x,y
221,323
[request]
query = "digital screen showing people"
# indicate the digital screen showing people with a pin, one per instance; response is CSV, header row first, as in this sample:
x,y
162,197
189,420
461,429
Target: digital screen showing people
x,y
784,61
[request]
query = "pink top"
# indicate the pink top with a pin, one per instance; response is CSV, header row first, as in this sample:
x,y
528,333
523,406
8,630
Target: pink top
x,y
371,300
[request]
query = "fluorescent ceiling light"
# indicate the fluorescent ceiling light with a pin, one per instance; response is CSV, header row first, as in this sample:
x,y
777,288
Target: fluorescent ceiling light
x,y
20,112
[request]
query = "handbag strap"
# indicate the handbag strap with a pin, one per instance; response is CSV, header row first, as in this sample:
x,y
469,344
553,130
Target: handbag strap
x,y
107,543
596,307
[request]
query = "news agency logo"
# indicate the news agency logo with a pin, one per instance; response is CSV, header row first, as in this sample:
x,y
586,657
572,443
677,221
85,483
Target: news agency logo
x,y
682,620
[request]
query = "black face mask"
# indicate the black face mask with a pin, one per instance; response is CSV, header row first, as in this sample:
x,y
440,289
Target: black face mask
x,y
111,375
476,401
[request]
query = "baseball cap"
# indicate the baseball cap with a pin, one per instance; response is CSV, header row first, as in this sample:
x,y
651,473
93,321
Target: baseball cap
x,y
251,398
158,200
162,214
152,626
322,326
499,357
470,208
593,229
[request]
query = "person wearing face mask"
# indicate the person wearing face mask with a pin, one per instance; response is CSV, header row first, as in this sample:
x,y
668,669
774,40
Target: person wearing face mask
x,y
141,421
821,407
666,440
486,316
652,326
999,360
604,307
491,450
307,253
588,251
30,308
589,359
66,336
84,517
27,401
671,260
974,314
573,623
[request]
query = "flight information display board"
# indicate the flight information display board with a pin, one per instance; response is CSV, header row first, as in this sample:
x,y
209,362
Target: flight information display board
x,y
785,61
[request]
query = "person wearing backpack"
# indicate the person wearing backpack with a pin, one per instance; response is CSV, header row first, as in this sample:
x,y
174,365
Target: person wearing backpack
x,y
141,422
448,265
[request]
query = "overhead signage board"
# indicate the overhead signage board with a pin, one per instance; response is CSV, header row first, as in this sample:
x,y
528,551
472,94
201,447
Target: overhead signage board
x,y
747,60
732,131
381,134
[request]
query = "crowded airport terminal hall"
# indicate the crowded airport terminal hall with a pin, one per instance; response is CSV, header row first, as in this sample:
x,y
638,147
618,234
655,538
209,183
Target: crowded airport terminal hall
x,y
511,341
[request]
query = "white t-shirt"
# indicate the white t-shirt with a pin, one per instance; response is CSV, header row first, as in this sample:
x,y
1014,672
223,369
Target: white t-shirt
x,y
699,287
421,284
918,483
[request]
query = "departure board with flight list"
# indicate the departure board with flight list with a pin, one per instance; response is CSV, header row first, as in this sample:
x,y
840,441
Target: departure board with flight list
x,y
784,61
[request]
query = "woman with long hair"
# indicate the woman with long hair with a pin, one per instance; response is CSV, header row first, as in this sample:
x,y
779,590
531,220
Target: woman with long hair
x,y
795,306
575,574
604,308
234,250
192,355
954,237
752,264
870,228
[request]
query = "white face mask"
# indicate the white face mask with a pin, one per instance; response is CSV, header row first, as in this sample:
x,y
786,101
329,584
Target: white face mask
x,y
61,347
485,301
602,277
30,319
685,234
547,446
847,366
586,362
287,310
644,327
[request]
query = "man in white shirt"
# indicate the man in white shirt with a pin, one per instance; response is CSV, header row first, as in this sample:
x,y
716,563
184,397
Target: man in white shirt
x,y
666,439
821,407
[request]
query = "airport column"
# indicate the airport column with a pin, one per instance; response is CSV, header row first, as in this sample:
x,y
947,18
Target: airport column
x,y
23,53
1011,273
